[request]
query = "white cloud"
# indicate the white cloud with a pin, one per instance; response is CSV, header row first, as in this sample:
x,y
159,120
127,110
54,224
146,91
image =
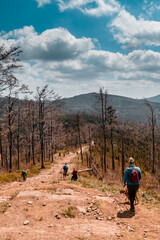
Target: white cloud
x,y
53,44
41,3
128,30
76,62
91,7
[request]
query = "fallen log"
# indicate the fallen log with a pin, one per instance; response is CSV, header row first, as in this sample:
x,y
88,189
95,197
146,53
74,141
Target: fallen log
x,y
85,170
92,169
96,172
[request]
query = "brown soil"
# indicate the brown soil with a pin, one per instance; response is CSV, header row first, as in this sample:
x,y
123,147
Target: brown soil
x,y
49,207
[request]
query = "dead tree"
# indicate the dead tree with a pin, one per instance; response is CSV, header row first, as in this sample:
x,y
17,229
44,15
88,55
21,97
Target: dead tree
x,y
111,118
18,138
123,158
152,124
102,105
9,83
45,100
13,95
33,128
79,136
8,64
90,147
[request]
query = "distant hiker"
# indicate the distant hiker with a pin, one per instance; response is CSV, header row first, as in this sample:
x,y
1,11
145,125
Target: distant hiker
x,y
65,170
132,177
74,175
24,175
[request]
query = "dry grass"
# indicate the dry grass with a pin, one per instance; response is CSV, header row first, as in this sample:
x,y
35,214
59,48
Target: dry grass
x,y
16,176
14,195
89,181
9,177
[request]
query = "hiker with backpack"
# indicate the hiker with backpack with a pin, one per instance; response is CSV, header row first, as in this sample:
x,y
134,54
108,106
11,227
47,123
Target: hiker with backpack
x,y
74,175
132,176
65,170
24,175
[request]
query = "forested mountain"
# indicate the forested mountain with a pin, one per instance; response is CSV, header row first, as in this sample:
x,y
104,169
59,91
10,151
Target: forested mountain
x,y
126,108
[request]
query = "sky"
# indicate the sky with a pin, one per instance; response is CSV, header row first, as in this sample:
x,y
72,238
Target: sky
x,y
77,46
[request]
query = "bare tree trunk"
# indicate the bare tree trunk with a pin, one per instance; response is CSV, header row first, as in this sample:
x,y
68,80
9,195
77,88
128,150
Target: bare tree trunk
x,y
18,140
44,150
1,152
26,156
33,140
52,153
52,140
33,149
152,124
153,144
10,139
41,130
90,148
42,153
102,158
6,153
87,159
112,146
49,153
29,152
105,153
79,137
103,101
123,160
43,97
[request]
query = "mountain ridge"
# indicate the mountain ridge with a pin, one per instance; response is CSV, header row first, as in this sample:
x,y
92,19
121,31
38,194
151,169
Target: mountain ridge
x,y
154,99
126,108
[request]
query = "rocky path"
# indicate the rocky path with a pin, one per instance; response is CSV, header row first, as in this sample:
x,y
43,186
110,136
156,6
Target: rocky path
x,y
49,207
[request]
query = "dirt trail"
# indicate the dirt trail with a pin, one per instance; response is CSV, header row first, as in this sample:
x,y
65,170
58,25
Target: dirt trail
x,y
42,208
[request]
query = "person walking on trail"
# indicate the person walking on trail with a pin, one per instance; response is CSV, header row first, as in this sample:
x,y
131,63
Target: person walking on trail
x,y
65,170
132,176
74,175
24,175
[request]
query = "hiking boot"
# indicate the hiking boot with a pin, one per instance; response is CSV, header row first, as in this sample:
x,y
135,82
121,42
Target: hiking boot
x,y
132,209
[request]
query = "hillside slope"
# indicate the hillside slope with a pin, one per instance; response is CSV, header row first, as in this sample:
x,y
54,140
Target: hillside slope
x,y
48,207
126,108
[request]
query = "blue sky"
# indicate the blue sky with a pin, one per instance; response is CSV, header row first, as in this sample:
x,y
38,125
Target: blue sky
x,y
76,46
